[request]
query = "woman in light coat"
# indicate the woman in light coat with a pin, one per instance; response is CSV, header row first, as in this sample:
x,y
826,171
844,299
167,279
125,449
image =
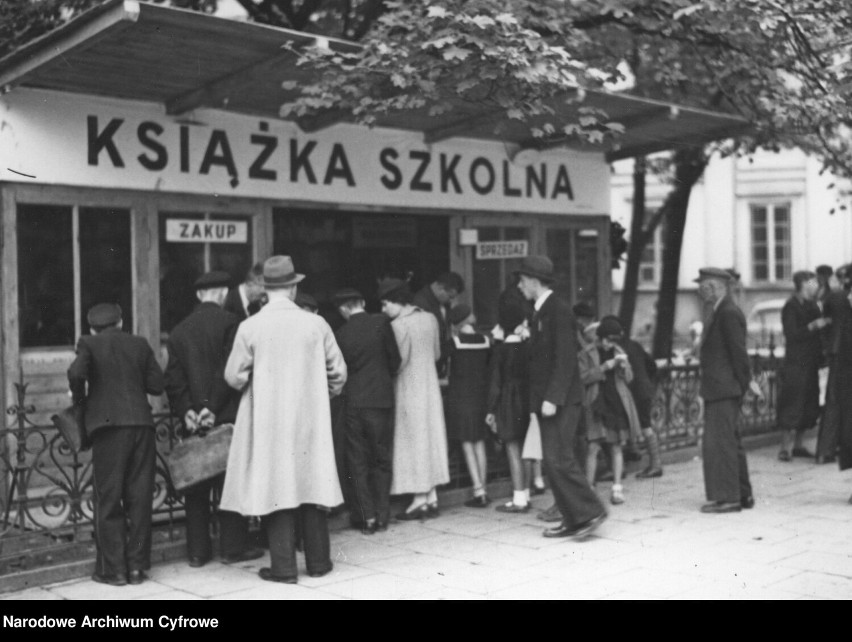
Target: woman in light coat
x,y
610,412
420,438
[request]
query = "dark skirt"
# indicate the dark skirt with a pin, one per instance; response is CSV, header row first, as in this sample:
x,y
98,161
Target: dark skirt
x,y
798,397
513,412
467,393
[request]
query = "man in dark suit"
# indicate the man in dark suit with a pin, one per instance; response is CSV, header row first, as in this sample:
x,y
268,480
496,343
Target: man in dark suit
x,y
725,378
556,396
438,297
836,309
110,377
372,358
798,399
248,297
195,384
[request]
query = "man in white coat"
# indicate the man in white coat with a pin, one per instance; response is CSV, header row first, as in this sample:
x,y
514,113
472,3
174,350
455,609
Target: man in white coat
x,y
281,464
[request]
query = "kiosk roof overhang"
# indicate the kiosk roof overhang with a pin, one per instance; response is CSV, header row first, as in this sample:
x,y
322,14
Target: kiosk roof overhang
x,y
186,60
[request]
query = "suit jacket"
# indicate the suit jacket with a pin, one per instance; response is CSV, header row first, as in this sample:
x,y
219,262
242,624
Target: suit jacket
x,y
554,369
725,370
803,347
234,305
838,309
425,299
120,370
198,351
372,358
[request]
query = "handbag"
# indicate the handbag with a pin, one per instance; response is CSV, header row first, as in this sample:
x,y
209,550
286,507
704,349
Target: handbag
x,y
71,425
198,457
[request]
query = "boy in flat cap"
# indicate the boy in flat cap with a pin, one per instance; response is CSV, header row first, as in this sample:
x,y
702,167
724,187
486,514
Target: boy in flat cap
x,y
111,377
198,393
725,379
372,359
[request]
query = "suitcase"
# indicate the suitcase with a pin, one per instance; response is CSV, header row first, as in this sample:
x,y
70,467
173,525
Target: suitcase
x,y
198,458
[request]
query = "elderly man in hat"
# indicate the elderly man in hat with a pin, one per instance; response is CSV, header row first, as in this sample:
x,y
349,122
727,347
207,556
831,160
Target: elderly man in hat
x,y
281,464
372,359
725,379
195,384
556,397
111,377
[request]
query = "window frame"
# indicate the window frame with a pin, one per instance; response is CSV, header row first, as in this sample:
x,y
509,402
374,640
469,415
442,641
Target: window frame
x,y
772,263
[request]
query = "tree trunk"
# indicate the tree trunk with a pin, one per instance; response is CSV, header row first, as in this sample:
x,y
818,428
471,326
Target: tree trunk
x,y
635,248
689,165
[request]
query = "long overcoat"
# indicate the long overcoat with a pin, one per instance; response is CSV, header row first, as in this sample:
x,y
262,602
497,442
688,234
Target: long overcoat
x,y
420,434
287,364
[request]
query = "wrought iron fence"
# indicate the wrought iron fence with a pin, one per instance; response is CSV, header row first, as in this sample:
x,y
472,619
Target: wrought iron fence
x,y
46,487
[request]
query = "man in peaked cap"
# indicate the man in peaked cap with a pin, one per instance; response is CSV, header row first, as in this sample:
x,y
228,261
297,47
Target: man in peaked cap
x,y
556,397
725,379
111,377
195,383
372,358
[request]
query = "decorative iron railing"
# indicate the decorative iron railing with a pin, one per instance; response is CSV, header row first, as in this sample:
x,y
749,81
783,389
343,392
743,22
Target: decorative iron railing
x,y
46,488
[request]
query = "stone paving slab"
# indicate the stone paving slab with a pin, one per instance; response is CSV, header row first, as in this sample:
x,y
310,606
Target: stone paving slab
x,y
793,545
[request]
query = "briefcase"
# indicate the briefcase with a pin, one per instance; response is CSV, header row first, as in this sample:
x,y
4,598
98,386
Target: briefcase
x,y
198,458
71,425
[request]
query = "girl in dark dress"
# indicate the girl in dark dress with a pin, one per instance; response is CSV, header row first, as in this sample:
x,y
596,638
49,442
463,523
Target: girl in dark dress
x,y
466,398
508,402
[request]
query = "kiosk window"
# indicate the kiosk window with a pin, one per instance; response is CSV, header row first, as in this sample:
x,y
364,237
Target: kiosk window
x,y
60,278
192,243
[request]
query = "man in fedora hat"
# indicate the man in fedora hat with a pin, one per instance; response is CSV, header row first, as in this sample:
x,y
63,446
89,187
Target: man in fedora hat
x,y
725,379
281,464
198,348
556,396
372,359
111,377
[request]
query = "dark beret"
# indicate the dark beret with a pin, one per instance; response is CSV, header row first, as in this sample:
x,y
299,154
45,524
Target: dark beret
x,y
103,315
609,327
346,294
459,313
215,279
306,301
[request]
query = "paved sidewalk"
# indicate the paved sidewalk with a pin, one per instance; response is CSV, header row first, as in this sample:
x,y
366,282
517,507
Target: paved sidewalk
x,y
796,543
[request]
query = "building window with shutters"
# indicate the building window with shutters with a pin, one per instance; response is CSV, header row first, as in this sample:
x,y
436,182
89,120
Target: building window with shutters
x,y
771,242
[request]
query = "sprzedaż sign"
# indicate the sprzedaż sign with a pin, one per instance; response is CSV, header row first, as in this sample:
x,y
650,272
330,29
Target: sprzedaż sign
x,y
179,230
502,250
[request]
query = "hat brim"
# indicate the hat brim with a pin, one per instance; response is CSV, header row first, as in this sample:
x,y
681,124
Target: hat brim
x,y
272,285
548,278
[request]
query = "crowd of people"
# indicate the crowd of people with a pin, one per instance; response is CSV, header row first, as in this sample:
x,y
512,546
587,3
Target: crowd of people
x,y
324,418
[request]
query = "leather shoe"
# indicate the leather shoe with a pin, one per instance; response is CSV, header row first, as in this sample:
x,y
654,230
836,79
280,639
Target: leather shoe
x,y
825,459
747,502
421,512
563,530
784,456
801,451
381,526
552,514
197,561
369,528
112,580
266,574
512,507
323,572
136,577
244,556
538,490
584,530
650,473
432,511
722,507
478,502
